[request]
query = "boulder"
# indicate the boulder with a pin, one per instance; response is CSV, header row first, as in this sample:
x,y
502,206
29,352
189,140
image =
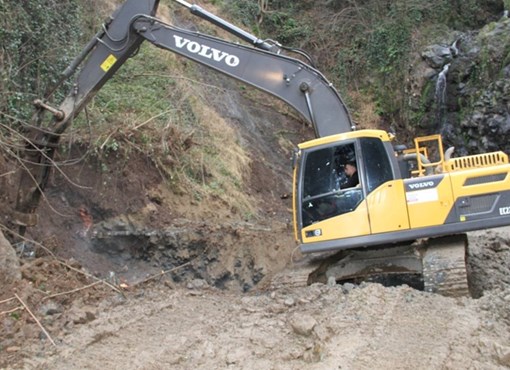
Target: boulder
x,y
9,263
437,56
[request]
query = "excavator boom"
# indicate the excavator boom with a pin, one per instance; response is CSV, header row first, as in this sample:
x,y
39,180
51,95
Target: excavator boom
x,y
299,85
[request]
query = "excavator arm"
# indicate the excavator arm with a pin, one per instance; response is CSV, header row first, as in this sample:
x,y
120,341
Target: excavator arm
x,y
260,65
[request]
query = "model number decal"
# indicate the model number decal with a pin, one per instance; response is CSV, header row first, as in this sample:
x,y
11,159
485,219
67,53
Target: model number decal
x,y
421,196
504,211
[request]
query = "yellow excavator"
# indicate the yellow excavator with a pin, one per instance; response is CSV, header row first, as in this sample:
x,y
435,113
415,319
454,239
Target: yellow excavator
x,y
408,214
407,211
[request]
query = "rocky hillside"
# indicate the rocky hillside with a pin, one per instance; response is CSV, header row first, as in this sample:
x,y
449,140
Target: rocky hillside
x,y
460,88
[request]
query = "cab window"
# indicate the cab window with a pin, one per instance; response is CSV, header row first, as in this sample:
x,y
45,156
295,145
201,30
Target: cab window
x,y
377,164
328,189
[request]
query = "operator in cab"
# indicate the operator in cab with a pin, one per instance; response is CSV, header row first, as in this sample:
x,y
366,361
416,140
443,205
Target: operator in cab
x,y
351,171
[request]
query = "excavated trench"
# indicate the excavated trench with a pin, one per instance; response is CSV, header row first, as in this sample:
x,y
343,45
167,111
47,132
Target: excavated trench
x,y
229,256
198,251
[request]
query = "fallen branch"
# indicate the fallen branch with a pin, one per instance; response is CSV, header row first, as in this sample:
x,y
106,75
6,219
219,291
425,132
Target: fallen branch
x,y
151,119
107,138
11,311
8,173
36,320
73,291
162,273
90,276
8,300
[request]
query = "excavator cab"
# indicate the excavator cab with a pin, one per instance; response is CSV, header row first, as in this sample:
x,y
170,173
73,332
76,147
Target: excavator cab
x,y
437,195
326,208
326,192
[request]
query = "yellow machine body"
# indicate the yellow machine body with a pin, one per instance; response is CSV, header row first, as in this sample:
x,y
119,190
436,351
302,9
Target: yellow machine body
x,y
401,196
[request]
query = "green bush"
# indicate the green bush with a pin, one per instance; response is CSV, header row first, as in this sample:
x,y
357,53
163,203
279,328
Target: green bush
x,y
364,45
279,22
37,41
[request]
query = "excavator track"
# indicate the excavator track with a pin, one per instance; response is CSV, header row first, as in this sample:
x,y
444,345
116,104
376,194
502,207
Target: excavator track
x,y
297,275
292,278
444,266
439,263
349,265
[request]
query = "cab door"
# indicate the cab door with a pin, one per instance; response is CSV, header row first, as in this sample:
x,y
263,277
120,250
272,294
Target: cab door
x,y
386,197
328,210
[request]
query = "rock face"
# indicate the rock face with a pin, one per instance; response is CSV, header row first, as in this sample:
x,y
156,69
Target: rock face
x,y
472,107
9,264
196,251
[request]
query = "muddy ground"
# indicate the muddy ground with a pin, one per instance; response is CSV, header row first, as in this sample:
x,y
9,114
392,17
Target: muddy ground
x,y
163,325
126,274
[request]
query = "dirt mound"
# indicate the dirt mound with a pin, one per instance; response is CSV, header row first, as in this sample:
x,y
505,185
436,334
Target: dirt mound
x,y
489,260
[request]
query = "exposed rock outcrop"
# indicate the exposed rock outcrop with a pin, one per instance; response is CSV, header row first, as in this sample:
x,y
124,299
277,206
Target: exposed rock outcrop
x,y
476,107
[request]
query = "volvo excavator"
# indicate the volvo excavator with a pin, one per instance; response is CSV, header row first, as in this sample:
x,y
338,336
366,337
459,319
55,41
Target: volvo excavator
x,y
411,208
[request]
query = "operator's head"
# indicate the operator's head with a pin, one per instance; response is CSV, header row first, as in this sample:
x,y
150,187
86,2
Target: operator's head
x,y
350,168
